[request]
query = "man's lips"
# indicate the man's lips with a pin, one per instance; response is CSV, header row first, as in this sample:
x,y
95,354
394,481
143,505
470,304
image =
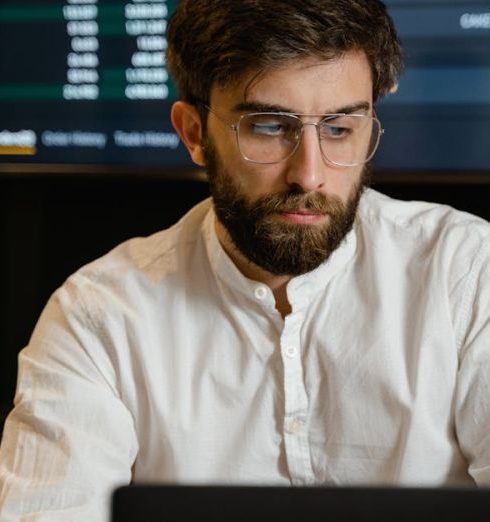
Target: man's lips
x,y
302,216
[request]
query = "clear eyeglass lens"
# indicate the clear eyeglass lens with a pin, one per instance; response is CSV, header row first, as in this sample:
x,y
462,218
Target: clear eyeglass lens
x,y
345,140
268,138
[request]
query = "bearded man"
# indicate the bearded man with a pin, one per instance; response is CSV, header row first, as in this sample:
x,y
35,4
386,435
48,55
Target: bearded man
x,y
296,328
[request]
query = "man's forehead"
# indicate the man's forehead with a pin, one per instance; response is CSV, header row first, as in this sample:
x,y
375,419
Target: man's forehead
x,y
268,85
243,84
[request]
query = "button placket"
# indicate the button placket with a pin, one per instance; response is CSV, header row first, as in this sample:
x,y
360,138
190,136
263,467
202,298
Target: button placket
x,y
296,404
295,425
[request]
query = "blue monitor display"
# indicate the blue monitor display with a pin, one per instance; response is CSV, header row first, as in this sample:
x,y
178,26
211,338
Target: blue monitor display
x,y
439,119
83,83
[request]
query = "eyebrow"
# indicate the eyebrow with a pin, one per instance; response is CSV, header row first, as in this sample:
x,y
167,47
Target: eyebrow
x,y
251,106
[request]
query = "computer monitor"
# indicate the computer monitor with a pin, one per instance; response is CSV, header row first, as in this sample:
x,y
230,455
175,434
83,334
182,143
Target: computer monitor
x,y
84,86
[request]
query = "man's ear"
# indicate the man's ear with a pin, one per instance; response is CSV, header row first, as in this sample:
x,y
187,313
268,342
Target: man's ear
x,y
187,122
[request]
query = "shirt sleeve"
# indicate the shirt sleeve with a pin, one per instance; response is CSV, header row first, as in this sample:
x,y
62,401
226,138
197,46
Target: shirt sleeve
x,y
472,404
70,439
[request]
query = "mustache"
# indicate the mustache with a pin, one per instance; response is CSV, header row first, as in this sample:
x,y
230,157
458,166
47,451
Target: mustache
x,y
294,201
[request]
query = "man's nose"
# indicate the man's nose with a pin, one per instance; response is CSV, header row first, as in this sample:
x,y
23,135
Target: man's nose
x,y
307,166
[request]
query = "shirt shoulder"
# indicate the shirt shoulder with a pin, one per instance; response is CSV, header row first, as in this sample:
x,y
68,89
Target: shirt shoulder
x,y
136,274
439,250
421,221
117,299
151,256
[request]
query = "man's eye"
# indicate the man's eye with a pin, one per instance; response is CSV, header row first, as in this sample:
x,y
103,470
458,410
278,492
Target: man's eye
x,y
269,129
335,131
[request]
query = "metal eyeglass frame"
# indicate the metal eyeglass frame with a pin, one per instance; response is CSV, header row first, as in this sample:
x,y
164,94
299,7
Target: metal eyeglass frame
x,y
236,126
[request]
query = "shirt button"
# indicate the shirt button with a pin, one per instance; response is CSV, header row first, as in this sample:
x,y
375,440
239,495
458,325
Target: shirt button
x,y
260,293
294,425
290,351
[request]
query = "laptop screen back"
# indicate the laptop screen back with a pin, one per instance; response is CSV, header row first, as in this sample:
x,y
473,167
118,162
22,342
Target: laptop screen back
x,y
281,504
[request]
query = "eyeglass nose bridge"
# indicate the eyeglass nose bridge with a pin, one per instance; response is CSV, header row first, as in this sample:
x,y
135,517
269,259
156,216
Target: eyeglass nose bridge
x,y
300,132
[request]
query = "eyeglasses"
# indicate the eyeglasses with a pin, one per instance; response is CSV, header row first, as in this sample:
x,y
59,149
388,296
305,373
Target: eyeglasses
x,y
346,140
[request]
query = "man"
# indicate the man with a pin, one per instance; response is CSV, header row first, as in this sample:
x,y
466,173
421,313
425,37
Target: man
x,y
297,329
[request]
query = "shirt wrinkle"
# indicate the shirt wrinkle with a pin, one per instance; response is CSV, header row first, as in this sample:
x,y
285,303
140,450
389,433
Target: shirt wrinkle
x,y
469,299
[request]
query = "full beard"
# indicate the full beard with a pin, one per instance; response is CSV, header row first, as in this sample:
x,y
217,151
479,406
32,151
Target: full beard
x,y
280,248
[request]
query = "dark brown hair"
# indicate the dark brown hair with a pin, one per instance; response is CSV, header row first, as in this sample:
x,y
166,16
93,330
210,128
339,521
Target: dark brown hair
x,y
218,41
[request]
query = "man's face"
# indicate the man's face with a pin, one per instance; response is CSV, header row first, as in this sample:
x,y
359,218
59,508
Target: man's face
x,y
287,217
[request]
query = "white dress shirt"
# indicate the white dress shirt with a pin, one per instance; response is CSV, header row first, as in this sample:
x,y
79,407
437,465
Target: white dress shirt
x,y
162,362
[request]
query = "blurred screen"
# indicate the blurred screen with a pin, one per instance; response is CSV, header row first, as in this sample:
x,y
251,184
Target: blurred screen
x,y
84,82
439,119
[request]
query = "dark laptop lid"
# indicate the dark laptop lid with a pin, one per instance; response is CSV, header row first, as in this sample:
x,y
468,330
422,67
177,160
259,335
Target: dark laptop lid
x,y
256,504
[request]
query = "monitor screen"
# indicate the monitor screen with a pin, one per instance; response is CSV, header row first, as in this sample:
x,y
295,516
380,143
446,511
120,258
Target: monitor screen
x,y
439,119
84,83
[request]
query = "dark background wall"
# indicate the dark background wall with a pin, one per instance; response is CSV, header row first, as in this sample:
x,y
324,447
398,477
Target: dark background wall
x,y
50,225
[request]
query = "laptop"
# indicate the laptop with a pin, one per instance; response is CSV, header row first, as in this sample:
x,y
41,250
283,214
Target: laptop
x,y
162,503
